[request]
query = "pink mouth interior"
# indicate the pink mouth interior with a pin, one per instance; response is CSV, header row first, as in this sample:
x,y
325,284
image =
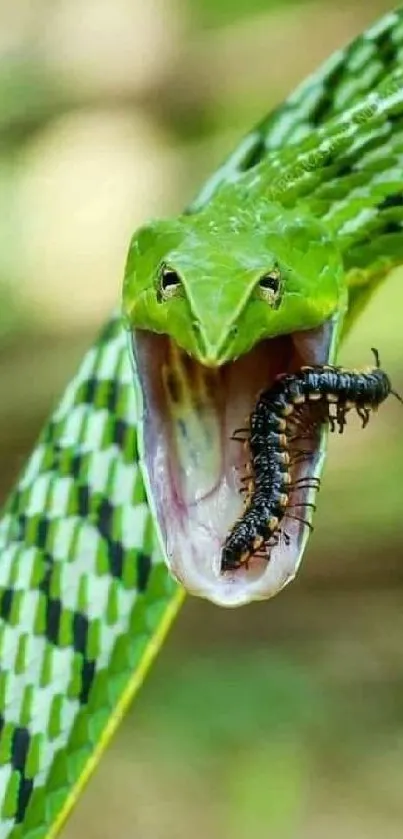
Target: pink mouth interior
x,y
193,468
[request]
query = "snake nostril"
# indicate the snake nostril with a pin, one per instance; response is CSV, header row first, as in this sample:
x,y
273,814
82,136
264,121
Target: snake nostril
x,y
199,337
230,339
198,332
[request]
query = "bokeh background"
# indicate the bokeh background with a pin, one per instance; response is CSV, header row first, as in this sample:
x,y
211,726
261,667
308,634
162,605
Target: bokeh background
x,y
283,719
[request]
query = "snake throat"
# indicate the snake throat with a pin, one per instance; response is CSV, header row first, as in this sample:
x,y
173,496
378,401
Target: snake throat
x,y
193,468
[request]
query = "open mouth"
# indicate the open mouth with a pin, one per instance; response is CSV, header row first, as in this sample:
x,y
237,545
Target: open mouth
x,y
193,469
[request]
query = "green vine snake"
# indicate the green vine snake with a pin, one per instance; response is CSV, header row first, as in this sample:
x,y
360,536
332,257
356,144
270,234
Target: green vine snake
x,y
134,476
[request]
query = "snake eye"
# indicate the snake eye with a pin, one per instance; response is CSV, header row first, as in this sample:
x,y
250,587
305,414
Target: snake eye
x,y
169,283
269,287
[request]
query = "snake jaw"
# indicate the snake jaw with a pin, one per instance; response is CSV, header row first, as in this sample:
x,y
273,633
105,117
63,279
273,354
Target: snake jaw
x,y
192,468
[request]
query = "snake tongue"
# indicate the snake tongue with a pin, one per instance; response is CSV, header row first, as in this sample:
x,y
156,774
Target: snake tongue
x,y
192,468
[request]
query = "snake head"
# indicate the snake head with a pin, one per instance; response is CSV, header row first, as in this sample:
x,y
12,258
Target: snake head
x,y
216,307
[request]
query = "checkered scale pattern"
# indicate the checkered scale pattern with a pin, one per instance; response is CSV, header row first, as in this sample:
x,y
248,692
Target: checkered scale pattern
x,y
344,79
82,589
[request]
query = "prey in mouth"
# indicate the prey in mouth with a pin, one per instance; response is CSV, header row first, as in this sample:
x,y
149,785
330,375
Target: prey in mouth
x,y
195,468
289,413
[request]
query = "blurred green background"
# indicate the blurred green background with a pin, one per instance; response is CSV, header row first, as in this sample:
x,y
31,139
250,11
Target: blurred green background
x,y
283,719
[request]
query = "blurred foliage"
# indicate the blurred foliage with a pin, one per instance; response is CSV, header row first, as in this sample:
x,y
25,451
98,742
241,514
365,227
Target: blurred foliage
x,y
282,719
210,13
28,97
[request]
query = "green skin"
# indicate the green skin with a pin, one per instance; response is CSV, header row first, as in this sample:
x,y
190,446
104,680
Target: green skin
x,y
313,197
217,312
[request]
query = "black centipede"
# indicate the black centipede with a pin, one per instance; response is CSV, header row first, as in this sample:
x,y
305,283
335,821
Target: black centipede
x,y
275,425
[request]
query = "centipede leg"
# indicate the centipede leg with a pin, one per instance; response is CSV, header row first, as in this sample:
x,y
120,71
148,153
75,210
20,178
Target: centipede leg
x,y
332,420
307,504
243,431
309,436
277,536
341,417
395,393
260,555
282,534
301,458
303,487
298,451
364,414
303,521
312,480
307,484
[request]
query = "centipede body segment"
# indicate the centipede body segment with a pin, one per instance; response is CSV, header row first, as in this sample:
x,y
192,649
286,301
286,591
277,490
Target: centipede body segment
x,y
292,410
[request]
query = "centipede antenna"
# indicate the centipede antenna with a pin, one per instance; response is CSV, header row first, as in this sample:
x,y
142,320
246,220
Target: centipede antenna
x,y
376,357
